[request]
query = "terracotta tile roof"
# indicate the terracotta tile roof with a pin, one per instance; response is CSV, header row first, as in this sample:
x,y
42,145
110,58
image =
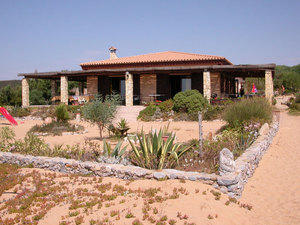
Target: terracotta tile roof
x,y
168,56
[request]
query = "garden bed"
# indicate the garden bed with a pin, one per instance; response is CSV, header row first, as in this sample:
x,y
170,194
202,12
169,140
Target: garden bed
x,y
231,182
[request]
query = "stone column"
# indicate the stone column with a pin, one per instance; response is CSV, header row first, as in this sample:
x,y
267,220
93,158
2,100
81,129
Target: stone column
x,y
206,85
269,85
128,89
64,90
25,92
53,88
92,85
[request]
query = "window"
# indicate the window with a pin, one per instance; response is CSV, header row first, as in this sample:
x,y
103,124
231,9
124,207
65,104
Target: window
x,y
186,84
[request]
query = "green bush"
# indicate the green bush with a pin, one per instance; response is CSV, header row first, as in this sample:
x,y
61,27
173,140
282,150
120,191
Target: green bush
x,y
166,106
55,128
18,111
148,112
61,113
247,110
191,102
213,112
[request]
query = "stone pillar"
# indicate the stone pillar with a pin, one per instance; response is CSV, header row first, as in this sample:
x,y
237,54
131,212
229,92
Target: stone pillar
x,y
64,90
128,89
25,92
269,85
92,85
206,85
53,88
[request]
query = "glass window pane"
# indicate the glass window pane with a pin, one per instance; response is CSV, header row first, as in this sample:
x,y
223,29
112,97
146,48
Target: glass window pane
x,y
186,84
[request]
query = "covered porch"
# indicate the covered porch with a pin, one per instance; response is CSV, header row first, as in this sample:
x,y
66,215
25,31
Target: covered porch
x,y
139,85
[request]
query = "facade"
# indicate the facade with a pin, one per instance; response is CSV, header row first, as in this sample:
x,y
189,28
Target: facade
x,y
156,76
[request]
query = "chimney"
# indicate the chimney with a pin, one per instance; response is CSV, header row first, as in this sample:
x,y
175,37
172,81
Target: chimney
x,y
112,54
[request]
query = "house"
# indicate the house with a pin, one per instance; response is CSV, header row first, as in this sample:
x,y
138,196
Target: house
x,y
143,78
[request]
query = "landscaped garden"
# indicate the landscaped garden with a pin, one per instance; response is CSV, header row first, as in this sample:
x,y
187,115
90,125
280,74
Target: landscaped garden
x,y
153,149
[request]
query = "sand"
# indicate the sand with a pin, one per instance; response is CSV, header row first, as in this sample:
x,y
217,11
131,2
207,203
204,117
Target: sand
x,y
184,130
273,191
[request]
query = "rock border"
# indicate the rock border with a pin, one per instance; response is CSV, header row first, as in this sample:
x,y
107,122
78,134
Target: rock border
x,y
231,183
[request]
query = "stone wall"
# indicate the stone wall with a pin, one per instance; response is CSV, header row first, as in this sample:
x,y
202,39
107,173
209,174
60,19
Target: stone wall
x,y
92,85
233,175
147,86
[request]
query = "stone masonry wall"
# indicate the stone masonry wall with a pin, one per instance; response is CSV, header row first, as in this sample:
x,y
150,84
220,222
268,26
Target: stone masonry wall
x,y
206,85
229,182
147,86
129,89
269,85
64,93
25,92
92,85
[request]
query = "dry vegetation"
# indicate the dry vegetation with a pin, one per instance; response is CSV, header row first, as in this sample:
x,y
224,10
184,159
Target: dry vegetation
x,y
29,196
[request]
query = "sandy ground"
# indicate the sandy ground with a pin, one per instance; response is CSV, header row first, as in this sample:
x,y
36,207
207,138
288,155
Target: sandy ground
x,y
184,130
273,192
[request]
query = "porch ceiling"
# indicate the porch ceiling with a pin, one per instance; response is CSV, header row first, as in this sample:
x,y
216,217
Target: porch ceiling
x,y
233,70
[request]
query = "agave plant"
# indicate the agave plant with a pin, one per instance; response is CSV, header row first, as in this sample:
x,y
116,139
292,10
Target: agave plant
x,y
116,152
153,152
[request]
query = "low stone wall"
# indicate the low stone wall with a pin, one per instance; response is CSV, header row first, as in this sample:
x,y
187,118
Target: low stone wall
x,y
230,182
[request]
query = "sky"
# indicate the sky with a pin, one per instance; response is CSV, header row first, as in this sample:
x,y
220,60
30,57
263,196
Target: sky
x,y
51,35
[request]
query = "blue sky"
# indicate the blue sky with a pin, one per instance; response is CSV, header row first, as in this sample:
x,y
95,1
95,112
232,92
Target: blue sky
x,y
60,34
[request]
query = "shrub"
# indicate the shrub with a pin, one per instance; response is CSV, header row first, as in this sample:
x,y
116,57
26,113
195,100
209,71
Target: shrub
x,y
155,153
7,137
116,152
254,109
55,128
101,111
213,112
166,106
148,112
61,113
19,111
191,102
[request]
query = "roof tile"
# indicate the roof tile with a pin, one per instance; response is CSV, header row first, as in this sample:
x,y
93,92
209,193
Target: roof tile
x,y
168,56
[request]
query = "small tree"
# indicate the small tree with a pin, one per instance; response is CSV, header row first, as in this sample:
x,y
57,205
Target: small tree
x,y
61,113
101,111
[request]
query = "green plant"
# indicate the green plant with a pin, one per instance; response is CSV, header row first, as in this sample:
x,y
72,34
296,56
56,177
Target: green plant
x,y
118,151
155,153
213,112
61,113
166,106
120,130
246,110
55,128
148,112
191,102
7,137
17,111
101,111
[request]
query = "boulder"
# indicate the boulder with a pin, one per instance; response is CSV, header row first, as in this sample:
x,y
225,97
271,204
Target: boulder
x,y
48,120
227,164
264,129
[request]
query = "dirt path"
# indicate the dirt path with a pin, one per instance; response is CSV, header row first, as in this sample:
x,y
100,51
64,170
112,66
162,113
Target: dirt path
x,y
274,190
